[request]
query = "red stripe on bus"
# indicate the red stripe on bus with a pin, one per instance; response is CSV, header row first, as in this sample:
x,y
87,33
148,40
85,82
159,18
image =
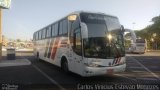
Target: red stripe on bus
x,y
46,48
64,41
54,49
116,60
63,45
119,59
50,48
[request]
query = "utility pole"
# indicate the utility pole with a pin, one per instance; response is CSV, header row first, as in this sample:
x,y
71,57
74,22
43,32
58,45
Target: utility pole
x,y
133,25
4,4
0,33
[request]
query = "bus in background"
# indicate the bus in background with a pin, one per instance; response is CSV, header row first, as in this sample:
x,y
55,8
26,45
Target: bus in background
x,y
85,43
134,44
140,46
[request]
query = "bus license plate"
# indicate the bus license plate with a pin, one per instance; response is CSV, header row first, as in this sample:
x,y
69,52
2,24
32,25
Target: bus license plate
x,y
110,71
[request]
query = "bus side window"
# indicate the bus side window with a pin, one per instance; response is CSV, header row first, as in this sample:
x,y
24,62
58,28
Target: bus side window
x,y
39,35
75,36
53,30
77,46
43,33
76,24
60,27
73,26
65,27
56,29
48,32
36,35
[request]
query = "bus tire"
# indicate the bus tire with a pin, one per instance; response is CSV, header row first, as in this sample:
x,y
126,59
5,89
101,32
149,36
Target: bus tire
x,y
64,65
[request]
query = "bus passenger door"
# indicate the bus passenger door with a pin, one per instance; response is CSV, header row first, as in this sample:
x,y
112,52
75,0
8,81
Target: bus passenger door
x,y
77,51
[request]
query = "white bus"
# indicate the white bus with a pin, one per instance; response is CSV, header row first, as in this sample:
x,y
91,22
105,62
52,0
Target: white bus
x,y
140,46
85,43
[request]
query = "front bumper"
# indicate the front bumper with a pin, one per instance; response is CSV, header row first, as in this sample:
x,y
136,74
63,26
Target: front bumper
x,y
95,71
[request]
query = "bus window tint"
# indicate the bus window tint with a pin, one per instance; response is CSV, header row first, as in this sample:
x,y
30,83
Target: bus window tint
x,y
53,30
76,24
48,32
65,27
43,33
40,35
77,42
36,35
56,29
60,28
73,26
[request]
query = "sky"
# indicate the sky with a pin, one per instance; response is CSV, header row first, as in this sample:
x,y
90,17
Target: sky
x,y
27,16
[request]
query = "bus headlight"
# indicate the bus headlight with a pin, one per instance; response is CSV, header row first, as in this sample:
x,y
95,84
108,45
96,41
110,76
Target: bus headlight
x,y
109,36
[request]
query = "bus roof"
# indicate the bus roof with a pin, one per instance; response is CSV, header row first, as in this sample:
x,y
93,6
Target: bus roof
x,y
77,13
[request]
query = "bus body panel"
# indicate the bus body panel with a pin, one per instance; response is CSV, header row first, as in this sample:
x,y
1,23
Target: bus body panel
x,y
117,65
76,63
51,50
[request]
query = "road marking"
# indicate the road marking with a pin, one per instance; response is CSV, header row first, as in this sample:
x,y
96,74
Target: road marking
x,y
48,77
53,81
123,76
135,67
143,78
149,58
156,76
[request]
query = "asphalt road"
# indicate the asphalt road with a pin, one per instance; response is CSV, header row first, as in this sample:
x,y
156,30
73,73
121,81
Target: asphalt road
x,y
142,69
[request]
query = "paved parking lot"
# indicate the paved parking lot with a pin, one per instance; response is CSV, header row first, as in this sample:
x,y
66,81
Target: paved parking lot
x,y
142,69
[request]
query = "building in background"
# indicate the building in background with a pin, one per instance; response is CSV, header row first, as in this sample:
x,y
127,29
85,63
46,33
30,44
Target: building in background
x,y
18,43
4,41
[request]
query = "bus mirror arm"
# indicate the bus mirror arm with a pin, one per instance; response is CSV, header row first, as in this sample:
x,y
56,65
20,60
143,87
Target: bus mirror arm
x,y
84,30
122,29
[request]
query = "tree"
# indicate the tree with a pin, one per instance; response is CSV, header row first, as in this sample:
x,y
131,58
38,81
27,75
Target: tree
x,y
18,40
152,32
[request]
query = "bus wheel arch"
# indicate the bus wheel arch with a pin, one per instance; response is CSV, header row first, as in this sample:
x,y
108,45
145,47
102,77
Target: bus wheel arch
x,y
64,64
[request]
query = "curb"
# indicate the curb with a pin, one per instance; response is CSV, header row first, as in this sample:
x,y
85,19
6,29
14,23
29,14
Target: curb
x,y
17,62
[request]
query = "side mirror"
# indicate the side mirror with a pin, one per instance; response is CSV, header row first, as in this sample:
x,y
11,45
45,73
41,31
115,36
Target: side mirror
x,y
84,30
122,29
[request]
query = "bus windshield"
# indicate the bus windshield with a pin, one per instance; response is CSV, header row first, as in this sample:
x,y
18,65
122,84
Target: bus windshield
x,y
97,45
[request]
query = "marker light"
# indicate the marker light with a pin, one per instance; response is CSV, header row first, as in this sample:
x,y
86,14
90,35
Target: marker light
x,y
72,17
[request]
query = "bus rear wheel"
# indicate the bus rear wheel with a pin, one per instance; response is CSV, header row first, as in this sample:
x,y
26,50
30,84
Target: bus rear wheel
x,y
64,66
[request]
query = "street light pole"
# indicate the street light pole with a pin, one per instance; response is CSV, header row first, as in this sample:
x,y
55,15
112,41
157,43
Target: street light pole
x,y
4,4
0,33
133,25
